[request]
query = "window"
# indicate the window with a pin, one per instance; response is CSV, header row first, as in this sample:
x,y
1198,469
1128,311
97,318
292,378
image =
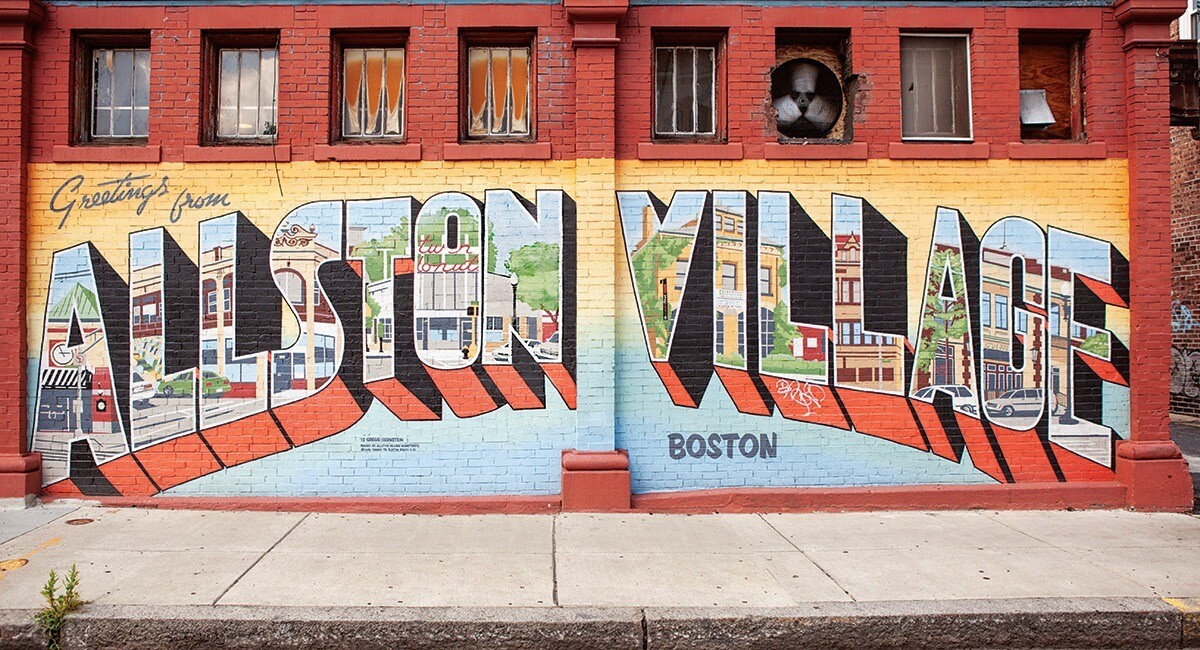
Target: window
x,y
291,285
372,92
1055,320
120,93
766,332
719,332
985,308
681,269
685,91
1001,311
764,281
227,293
935,98
244,90
808,97
499,81
728,277
1051,93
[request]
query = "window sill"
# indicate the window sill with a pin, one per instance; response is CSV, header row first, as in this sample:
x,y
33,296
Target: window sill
x,y
107,153
1051,150
815,151
939,150
238,153
496,151
689,151
373,151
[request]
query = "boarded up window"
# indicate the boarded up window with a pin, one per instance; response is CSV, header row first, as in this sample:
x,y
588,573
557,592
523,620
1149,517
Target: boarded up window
x,y
1052,65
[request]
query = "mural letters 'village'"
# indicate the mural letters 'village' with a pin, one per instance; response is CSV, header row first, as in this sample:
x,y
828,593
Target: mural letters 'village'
x,y
452,312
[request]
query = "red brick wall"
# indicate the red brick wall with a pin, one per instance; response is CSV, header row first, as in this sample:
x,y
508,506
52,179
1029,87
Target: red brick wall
x,y
1185,281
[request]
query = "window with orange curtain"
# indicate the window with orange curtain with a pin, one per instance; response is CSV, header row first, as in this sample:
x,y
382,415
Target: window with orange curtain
x,y
373,92
498,91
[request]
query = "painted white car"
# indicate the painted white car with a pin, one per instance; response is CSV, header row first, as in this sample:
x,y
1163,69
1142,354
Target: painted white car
x,y
140,390
964,399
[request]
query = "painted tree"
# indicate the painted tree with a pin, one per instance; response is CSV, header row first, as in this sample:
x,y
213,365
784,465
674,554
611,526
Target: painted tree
x,y
944,319
536,268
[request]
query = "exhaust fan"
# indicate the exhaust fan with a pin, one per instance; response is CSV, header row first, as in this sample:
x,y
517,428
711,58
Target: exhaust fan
x,y
807,97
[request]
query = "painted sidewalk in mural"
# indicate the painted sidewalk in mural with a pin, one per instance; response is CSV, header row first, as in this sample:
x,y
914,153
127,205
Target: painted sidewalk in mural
x,y
392,320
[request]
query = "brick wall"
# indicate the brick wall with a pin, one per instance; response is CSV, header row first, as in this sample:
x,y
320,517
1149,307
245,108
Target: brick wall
x,y
1185,237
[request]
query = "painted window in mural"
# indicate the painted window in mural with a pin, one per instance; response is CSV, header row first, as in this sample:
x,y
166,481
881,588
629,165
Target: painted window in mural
x,y
935,82
685,90
499,88
373,92
120,93
246,93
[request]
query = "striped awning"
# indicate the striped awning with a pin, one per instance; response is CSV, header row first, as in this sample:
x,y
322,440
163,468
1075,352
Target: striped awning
x,y
66,378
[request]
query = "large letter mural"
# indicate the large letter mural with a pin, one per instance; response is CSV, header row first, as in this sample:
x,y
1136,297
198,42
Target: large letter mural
x,y
401,314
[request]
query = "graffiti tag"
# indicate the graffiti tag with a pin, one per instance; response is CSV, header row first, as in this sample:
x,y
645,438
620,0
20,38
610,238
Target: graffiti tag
x,y
1185,372
808,395
1182,319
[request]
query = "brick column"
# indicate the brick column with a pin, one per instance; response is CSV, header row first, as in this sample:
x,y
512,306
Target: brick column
x,y
20,472
1149,464
596,475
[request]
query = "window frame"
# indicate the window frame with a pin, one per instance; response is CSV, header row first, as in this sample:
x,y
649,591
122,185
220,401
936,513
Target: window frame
x,y
498,38
1076,42
697,38
343,40
83,46
966,38
213,43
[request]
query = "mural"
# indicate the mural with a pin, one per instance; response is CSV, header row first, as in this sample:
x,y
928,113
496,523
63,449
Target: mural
x,y
400,342
1008,360
273,342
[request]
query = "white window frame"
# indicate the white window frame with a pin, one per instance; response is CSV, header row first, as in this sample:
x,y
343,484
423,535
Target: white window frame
x,y
970,137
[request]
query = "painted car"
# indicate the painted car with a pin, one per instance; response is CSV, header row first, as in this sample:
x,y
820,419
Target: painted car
x,y
214,385
964,399
1021,401
140,390
550,349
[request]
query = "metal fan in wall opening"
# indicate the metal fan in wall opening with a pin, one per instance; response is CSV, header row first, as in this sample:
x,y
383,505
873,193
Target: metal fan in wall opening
x,y
807,97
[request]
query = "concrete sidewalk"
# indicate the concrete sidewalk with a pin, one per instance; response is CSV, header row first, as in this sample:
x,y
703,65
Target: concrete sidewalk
x,y
1015,579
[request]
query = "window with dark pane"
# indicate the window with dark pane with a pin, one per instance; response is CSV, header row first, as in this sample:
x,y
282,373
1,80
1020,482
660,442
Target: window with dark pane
x,y
373,92
120,98
685,91
246,93
498,92
935,101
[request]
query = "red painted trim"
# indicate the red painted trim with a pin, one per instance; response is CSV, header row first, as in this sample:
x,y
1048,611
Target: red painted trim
x,y
813,17
1057,150
575,460
939,150
1029,496
496,151
517,504
689,151
107,154
690,16
100,18
269,17
1057,18
356,17
372,152
498,16
927,18
245,153
805,151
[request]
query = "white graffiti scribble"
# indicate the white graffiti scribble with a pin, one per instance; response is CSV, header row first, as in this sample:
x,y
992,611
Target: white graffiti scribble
x,y
1185,372
1182,319
810,396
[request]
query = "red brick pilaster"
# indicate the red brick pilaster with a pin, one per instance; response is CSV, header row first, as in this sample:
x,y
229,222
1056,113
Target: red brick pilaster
x,y
1149,463
596,475
20,472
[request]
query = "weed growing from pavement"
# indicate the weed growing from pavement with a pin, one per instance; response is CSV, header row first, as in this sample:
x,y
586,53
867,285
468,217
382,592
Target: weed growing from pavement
x,y
50,620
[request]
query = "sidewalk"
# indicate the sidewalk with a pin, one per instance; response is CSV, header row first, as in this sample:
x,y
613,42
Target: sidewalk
x,y
191,578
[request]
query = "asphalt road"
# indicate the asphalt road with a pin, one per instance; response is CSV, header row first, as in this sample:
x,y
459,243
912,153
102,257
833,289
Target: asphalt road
x,y
1187,436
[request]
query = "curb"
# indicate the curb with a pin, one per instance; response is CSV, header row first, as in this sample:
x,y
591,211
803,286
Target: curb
x,y
1010,623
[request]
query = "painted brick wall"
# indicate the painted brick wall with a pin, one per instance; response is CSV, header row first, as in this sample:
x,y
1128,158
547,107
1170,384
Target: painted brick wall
x,y
587,306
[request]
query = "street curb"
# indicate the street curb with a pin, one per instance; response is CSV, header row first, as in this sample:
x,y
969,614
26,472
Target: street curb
x,y
1009,623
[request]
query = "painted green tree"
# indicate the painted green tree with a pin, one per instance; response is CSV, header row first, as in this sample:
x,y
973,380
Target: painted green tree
x,y
536,268
943,319
375,252
658,254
